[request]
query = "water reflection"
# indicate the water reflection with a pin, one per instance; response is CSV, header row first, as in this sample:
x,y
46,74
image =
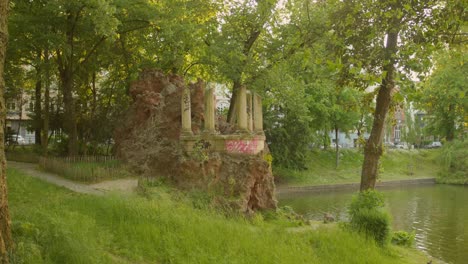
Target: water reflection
x,y
437,214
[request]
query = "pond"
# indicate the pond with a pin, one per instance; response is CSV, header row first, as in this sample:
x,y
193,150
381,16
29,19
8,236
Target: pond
x,y
438,214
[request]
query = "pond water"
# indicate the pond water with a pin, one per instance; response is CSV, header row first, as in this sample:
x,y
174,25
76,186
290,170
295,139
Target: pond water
x,y
438,214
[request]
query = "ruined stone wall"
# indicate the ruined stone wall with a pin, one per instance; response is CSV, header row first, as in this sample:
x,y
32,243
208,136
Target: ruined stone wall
x,y
149,143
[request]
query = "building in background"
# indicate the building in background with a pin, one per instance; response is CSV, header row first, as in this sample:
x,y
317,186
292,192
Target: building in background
x,y
18,117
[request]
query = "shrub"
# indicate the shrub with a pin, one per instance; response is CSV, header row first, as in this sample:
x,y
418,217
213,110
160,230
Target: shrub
x,y
403,238
369,199
368,217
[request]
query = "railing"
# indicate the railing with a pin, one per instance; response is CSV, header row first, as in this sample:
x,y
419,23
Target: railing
x,y
85,168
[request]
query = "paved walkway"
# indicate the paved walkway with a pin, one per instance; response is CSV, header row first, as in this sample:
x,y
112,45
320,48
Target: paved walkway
x,y
121,185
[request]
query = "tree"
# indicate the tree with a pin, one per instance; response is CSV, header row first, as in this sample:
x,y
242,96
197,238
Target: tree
x,y
445,93
386,38
5,233
70,36
344,113
296,87
233,50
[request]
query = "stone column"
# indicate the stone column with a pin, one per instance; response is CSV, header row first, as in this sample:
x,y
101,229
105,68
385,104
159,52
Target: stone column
x,y
242,109
249,111
258,114
186,113
209,110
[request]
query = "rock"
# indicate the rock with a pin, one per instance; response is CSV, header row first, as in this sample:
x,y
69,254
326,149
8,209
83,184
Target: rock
x,y
328,218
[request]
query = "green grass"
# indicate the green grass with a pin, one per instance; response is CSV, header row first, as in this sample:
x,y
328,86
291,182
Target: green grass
x,y
54,225
395,165
85,171
454,157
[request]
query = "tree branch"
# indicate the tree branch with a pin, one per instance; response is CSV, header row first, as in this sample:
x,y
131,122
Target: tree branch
x,y
93,49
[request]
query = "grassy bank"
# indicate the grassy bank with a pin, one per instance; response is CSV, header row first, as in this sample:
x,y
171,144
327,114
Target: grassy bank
x,y
54,225
454,159
395,165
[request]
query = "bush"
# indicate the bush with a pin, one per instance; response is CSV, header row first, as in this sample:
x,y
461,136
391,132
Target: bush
x,y
368,217
402,238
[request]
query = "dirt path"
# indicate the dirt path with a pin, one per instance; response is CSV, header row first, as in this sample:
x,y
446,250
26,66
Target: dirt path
x,y
122,185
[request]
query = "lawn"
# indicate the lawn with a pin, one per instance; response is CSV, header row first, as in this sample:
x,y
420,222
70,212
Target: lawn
x,y
54,225
395,165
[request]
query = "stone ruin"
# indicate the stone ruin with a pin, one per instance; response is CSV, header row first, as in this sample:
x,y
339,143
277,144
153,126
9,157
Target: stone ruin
x,y
172,132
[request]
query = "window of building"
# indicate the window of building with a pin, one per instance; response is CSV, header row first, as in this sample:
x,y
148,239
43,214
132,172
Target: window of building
x,y
397,133
11,106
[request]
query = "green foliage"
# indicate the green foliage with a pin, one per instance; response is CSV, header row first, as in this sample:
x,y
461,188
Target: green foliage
x,y
454,161
369,199
289,138
372,223
444,95
403,238
200,151
368,217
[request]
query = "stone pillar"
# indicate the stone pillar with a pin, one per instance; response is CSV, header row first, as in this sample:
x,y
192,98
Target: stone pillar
x,y
186,113
242,109
249,111
257,114
209,110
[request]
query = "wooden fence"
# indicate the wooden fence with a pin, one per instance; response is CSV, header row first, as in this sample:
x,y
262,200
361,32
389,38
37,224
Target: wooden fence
x,y
75,159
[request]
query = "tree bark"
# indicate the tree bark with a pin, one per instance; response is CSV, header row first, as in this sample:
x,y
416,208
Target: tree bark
x,y
237,83
66,77
45,124
6,241
66,69
373,149
337,148
232,103
37,109
450,126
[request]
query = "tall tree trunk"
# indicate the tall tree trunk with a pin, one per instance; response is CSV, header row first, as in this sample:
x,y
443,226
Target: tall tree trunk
x,y
69,107
37,109
237,83
6,241
232,104
373,149
66,69
337,148
45,124
450,126
20,120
